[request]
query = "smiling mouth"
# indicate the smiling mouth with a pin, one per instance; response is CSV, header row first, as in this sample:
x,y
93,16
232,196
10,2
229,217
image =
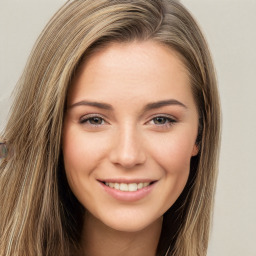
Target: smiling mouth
x,y
128,187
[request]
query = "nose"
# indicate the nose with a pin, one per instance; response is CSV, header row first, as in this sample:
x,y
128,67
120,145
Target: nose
x,y
127,150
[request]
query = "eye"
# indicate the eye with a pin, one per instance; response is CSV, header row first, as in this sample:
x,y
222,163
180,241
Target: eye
x,y
92,120
162,121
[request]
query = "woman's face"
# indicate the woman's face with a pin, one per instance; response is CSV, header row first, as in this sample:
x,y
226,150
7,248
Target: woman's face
x,y
129,133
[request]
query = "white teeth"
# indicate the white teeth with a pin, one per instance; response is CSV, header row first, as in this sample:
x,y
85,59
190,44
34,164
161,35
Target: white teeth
x,y
145,184
123,187
131,187
112,185
140,185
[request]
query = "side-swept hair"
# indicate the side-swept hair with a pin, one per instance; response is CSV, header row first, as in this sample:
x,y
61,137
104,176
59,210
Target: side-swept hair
x,y
39,214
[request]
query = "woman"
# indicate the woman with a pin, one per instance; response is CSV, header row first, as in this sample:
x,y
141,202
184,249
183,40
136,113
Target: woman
x,y
113,137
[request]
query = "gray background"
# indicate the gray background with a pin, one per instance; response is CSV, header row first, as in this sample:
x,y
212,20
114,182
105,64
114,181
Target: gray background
x,y
229,26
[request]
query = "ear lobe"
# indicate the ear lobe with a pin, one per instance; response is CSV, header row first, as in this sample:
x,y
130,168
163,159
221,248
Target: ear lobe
x,y
195,150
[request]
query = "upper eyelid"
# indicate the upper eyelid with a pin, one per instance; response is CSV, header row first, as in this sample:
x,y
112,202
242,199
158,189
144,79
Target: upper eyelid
x,y
163,115
87,116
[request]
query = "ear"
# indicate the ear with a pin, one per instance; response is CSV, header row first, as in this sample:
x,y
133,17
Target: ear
x,y
195,150
3,150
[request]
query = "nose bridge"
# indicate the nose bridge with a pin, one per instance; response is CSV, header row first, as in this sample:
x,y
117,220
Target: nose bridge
x,y
128,149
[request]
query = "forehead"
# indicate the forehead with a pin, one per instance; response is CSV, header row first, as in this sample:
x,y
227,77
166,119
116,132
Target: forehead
x,y
135,53
130,69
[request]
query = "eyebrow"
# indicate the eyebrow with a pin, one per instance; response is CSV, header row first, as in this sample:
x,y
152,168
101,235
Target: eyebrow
x,y
93,104
163,103
148,107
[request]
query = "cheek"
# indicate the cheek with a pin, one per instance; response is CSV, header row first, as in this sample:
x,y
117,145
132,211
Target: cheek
x,y
173,156
76,154
72,155
81,152
173,153
80,159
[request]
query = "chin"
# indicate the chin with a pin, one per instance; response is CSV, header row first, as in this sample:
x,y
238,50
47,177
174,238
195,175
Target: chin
x,y
131,223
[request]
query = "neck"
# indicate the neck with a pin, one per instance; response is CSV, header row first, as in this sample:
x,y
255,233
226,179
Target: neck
x,y
101,240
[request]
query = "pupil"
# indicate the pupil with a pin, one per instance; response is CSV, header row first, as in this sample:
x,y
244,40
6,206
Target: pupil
x,y
96,120
160,120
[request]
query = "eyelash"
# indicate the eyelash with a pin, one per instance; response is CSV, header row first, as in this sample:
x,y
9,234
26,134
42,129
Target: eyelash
x,y
168,120
89,118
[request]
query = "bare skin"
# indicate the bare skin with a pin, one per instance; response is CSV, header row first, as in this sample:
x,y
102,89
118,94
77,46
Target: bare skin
x,y
129,134
115,243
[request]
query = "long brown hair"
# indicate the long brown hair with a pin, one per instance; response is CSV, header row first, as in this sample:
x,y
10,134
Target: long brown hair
x,y
39,214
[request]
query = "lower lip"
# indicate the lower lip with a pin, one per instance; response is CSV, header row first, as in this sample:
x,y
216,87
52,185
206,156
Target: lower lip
x,y
128,196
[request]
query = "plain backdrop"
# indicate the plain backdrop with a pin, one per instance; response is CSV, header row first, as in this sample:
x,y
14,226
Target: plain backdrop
x,y
230,28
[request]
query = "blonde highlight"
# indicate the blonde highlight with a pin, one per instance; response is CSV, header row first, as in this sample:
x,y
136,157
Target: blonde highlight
x,y
36,215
